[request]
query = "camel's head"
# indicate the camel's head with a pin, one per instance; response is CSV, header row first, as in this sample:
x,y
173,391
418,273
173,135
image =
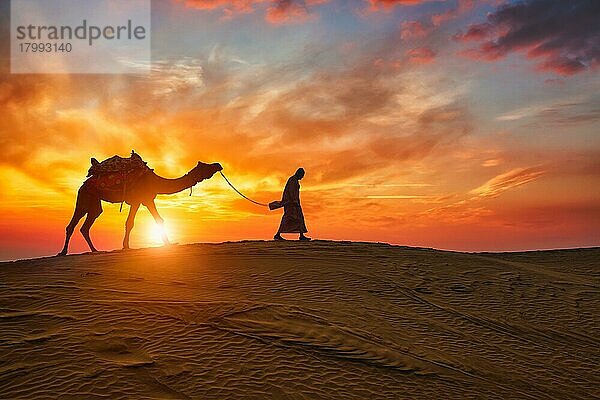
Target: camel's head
x,y
204,171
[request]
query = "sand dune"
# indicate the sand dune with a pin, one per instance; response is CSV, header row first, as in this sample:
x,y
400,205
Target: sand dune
x,y
320,320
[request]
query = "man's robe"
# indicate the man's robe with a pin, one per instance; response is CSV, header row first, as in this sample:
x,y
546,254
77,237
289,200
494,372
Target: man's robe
x,y
293,218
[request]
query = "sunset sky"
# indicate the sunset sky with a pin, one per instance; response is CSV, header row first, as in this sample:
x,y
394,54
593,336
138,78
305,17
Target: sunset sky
x,y
462,125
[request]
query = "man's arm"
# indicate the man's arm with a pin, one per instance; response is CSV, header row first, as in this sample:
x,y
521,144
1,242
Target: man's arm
x,y
291,193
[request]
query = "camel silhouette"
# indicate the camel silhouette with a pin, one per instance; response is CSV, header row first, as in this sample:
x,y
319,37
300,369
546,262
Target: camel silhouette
x,y
142,191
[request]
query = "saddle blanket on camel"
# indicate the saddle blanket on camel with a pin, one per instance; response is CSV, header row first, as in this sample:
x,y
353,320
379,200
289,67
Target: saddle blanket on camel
x,y
116,174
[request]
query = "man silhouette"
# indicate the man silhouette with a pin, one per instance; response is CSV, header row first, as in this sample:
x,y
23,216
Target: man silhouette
x,y
293,218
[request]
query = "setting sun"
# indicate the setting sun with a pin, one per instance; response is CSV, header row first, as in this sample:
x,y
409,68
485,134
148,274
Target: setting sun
x,y
156,232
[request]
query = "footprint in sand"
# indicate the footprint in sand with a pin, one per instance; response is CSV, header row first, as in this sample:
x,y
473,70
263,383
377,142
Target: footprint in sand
x,y
119,352
90,274
460,288
40,335
423,289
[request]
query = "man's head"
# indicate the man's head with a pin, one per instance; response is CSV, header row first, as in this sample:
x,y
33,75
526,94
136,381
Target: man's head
x,y
299,173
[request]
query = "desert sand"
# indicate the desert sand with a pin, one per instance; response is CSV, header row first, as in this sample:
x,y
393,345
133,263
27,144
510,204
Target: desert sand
x,y
320,320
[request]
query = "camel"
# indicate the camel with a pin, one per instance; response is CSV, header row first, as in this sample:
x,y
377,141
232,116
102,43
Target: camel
x,y
141,191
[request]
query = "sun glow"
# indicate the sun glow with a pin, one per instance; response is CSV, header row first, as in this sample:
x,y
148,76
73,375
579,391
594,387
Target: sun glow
x,y
156,232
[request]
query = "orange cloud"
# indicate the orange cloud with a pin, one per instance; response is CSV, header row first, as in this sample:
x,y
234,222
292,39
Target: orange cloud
x,y
413,30
278,12
429,24
376,5
421,55
241,6
291,11
506,181
462,7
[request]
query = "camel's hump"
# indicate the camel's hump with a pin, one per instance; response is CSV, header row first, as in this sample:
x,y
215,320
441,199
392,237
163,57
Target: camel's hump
x,y
117,164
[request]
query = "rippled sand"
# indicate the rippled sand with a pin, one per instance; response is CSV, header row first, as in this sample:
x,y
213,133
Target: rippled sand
x,y
320,320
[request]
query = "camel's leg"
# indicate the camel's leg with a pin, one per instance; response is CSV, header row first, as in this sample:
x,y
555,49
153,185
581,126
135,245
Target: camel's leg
x,y
85,228
93,205
85,202
129,223
77,215
158,219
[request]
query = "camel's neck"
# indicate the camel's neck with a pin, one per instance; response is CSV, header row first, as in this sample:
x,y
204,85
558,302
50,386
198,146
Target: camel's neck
x,y
170,186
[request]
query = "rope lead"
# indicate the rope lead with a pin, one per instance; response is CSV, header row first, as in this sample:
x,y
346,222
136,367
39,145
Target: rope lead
x,y
240,193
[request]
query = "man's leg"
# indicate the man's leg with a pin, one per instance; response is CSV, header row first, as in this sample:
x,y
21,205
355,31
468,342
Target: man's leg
x,y
278,236
303,238
281,225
